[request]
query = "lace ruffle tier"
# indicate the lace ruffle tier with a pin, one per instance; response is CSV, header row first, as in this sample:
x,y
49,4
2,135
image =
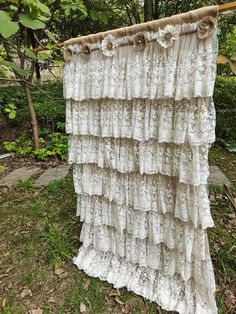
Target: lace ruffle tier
x,y
166,120
171,292
186,69
188,163
140,125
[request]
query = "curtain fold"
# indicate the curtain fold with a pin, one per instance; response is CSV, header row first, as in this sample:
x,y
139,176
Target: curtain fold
x,y
141,119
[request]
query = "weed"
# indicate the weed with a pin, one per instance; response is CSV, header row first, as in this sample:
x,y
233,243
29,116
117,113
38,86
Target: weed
x,y
26,185
59,244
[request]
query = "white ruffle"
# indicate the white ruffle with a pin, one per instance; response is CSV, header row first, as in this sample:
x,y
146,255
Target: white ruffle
x,y
99,211
186,121
169,291
188,163
181,239
184,70
159,193
190,262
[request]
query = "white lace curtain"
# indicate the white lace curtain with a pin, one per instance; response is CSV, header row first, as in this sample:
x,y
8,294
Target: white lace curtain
x,y
140,119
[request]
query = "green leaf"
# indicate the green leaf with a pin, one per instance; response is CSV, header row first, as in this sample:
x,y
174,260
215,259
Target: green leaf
x,y
12,106
42,7
2,168
38,7
28,22
51,36
7,27
12,115
94,15
103,17
99,16
14,67
29,53
74,5
83,9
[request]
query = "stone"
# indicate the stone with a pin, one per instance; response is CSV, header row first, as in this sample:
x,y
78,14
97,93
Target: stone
x,y
52,174
23,173
6,155
217,177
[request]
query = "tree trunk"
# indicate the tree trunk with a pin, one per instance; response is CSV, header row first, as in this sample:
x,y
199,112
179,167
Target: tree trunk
x,y
148,10
32,115
33,43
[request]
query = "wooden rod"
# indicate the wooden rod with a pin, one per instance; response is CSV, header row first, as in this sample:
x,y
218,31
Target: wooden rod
x,y
221,8
227,6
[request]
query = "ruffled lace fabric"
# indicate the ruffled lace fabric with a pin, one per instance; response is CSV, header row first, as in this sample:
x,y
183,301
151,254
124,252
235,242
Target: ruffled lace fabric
x,y
165,120
188,163
140,124
186,69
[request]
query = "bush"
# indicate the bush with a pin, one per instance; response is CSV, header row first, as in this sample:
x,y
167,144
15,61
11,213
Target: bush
x,y
225,103
48,110
52,145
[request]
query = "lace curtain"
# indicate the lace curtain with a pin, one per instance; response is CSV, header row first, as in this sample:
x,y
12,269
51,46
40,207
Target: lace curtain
x,y
140,119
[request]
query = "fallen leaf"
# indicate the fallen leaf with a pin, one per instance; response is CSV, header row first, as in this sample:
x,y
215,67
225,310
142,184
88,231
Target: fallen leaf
x,y
59,271
119,301
3,303
51,300
86,285
36,311
26,292
114,292
212,197
232,216
82,308
221,242
230,300
125,309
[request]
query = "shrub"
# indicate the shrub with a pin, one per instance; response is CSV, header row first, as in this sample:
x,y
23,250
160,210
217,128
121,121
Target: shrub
x,y
225,103
48,110
54,145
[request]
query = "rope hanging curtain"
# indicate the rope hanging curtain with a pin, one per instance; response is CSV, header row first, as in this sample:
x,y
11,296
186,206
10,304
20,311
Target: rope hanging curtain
x,y
140,119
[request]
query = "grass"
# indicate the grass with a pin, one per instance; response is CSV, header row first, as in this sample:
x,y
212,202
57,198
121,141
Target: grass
x,y
39,235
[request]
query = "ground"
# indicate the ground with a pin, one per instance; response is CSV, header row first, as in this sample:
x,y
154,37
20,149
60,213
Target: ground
x,y
39,236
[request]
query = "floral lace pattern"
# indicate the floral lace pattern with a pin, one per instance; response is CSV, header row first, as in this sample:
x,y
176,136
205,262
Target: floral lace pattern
x,y
144,192
141,119
170,291
188,163
186,69
140,222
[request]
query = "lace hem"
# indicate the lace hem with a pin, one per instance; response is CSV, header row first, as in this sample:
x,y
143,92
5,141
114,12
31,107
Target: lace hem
x,y
145,192
184,70
169,291
183,241
165,120
189,164
98,210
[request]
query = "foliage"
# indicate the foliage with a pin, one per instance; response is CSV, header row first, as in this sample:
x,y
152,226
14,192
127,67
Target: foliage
x,y
22,146
50,111
55,145
2,168
11,111
7,27
225,103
